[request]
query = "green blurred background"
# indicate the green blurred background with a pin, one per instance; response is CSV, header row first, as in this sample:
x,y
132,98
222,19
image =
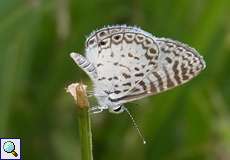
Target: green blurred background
x,y
191,122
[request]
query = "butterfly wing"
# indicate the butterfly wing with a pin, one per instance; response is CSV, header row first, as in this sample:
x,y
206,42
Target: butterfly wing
x,y
177,64
132,64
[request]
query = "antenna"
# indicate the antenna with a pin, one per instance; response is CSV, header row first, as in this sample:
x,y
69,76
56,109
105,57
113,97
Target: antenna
x,y
135,126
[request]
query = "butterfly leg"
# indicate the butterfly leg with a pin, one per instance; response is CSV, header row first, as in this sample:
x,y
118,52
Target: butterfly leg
x,y
96,109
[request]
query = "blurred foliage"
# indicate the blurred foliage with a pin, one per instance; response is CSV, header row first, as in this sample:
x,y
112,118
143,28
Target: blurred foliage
x,y
190,122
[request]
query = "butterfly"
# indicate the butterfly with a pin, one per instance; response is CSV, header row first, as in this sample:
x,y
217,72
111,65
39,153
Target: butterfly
x,y
127,63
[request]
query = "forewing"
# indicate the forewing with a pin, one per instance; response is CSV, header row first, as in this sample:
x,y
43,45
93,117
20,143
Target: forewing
x,y
122,61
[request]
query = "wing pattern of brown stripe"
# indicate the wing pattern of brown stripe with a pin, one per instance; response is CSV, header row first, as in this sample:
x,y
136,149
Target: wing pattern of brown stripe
x,y
170,83
160,81
176,72
153,88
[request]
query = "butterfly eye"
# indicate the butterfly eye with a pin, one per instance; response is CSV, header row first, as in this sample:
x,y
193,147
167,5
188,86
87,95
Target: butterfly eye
x,y
117,110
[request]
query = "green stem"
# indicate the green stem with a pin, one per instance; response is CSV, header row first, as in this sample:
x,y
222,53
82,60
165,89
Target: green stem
x,y
85,134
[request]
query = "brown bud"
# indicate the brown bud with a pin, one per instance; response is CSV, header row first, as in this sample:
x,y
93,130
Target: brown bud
x,y
78,91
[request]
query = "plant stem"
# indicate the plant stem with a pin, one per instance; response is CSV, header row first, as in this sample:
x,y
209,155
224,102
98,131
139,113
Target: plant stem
x,y
78,91
85,134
